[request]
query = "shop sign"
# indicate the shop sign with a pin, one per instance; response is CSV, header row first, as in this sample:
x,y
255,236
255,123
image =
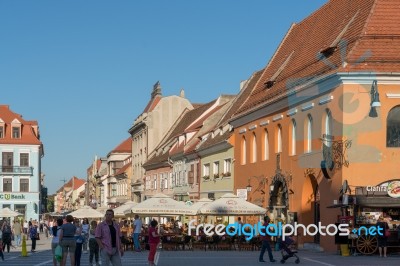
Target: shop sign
x,y
12,196
391,188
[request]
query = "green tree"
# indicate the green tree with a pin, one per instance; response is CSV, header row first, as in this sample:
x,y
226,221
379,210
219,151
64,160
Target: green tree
x,y
50,204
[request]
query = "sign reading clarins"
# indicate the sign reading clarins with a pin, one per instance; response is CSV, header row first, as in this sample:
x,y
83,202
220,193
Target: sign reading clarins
x,y
10,196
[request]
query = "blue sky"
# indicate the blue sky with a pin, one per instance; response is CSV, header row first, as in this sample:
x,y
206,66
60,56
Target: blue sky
x,y
85,69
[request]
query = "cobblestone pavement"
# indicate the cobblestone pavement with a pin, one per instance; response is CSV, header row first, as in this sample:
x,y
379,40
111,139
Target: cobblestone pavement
x,y
43,257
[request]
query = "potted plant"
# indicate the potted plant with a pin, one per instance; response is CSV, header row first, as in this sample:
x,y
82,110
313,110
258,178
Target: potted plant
x,y
206,177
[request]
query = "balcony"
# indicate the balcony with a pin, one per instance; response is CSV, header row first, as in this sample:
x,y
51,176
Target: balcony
x,y
20,170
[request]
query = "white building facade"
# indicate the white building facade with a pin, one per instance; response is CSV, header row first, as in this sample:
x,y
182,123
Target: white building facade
x,y
21,152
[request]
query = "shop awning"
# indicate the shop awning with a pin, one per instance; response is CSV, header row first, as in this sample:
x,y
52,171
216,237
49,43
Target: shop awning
x,y
377,201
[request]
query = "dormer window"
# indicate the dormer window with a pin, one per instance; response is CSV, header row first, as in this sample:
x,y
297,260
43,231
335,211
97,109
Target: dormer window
x,y
16,132
2,129
16,129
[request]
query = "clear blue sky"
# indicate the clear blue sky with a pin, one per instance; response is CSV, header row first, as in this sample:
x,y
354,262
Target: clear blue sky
x,y
85,69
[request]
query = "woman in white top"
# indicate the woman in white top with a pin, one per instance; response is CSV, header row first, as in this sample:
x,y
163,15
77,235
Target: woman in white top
x,y
56,238
85,231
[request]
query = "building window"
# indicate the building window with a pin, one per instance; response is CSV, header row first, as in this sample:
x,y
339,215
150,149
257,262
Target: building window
x,y
216,169
7,161
309,134
393,128
266,146
279,139
254,149
227,167
154,182
328,128
206,170
24,159
148,182
7,185
293,138
1,132
243,153
16,132
24,185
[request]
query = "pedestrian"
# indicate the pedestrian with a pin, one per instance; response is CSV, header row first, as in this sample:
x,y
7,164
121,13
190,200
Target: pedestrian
x,y
26,225
154,240
85,231
17,231
7,233
33,234
108,236
382,239
137,229
79,238
56,231
266,239
93,246
67,240
1,246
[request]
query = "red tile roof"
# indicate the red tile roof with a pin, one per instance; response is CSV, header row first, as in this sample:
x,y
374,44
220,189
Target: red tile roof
x,y
29,129
366,26
123,169
152,104
125,146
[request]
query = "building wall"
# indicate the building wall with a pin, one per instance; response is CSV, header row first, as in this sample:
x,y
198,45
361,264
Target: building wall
x,y
31,199
221,185
369,161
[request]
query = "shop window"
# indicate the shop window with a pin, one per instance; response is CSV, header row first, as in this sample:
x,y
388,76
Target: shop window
x,y
393,128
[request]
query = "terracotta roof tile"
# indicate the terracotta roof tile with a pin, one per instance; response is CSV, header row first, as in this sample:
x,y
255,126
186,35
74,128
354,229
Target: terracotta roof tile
x,y
125,146
123,169
374,28
29,135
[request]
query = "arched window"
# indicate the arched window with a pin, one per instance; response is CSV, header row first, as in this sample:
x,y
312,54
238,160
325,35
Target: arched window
x,y
243,161
328,128
266,145
293,138
393,128
254,149
279,139
309,133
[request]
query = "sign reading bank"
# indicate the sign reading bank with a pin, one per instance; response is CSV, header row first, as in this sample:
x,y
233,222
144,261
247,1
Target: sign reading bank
x,y
9,196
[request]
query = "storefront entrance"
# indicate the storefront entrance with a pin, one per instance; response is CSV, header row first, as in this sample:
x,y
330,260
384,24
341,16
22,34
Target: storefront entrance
x,y
310,205
279,200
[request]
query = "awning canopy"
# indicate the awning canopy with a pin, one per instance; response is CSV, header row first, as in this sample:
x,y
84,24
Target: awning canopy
x,y
378,201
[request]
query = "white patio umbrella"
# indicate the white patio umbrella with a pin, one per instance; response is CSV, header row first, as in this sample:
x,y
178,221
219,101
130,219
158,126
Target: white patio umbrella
x,y
230,205
119,211
102,209
200,203
86,212
160,205
6,212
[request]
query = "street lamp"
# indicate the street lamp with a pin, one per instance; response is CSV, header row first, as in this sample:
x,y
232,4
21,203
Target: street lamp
x,y
375,102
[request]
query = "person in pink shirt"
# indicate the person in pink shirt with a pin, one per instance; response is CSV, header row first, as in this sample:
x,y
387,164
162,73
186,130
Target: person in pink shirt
x,y
108,237
154,240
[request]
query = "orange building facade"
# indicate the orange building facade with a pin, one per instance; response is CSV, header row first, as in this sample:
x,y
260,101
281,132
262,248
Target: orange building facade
x,y
321,115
